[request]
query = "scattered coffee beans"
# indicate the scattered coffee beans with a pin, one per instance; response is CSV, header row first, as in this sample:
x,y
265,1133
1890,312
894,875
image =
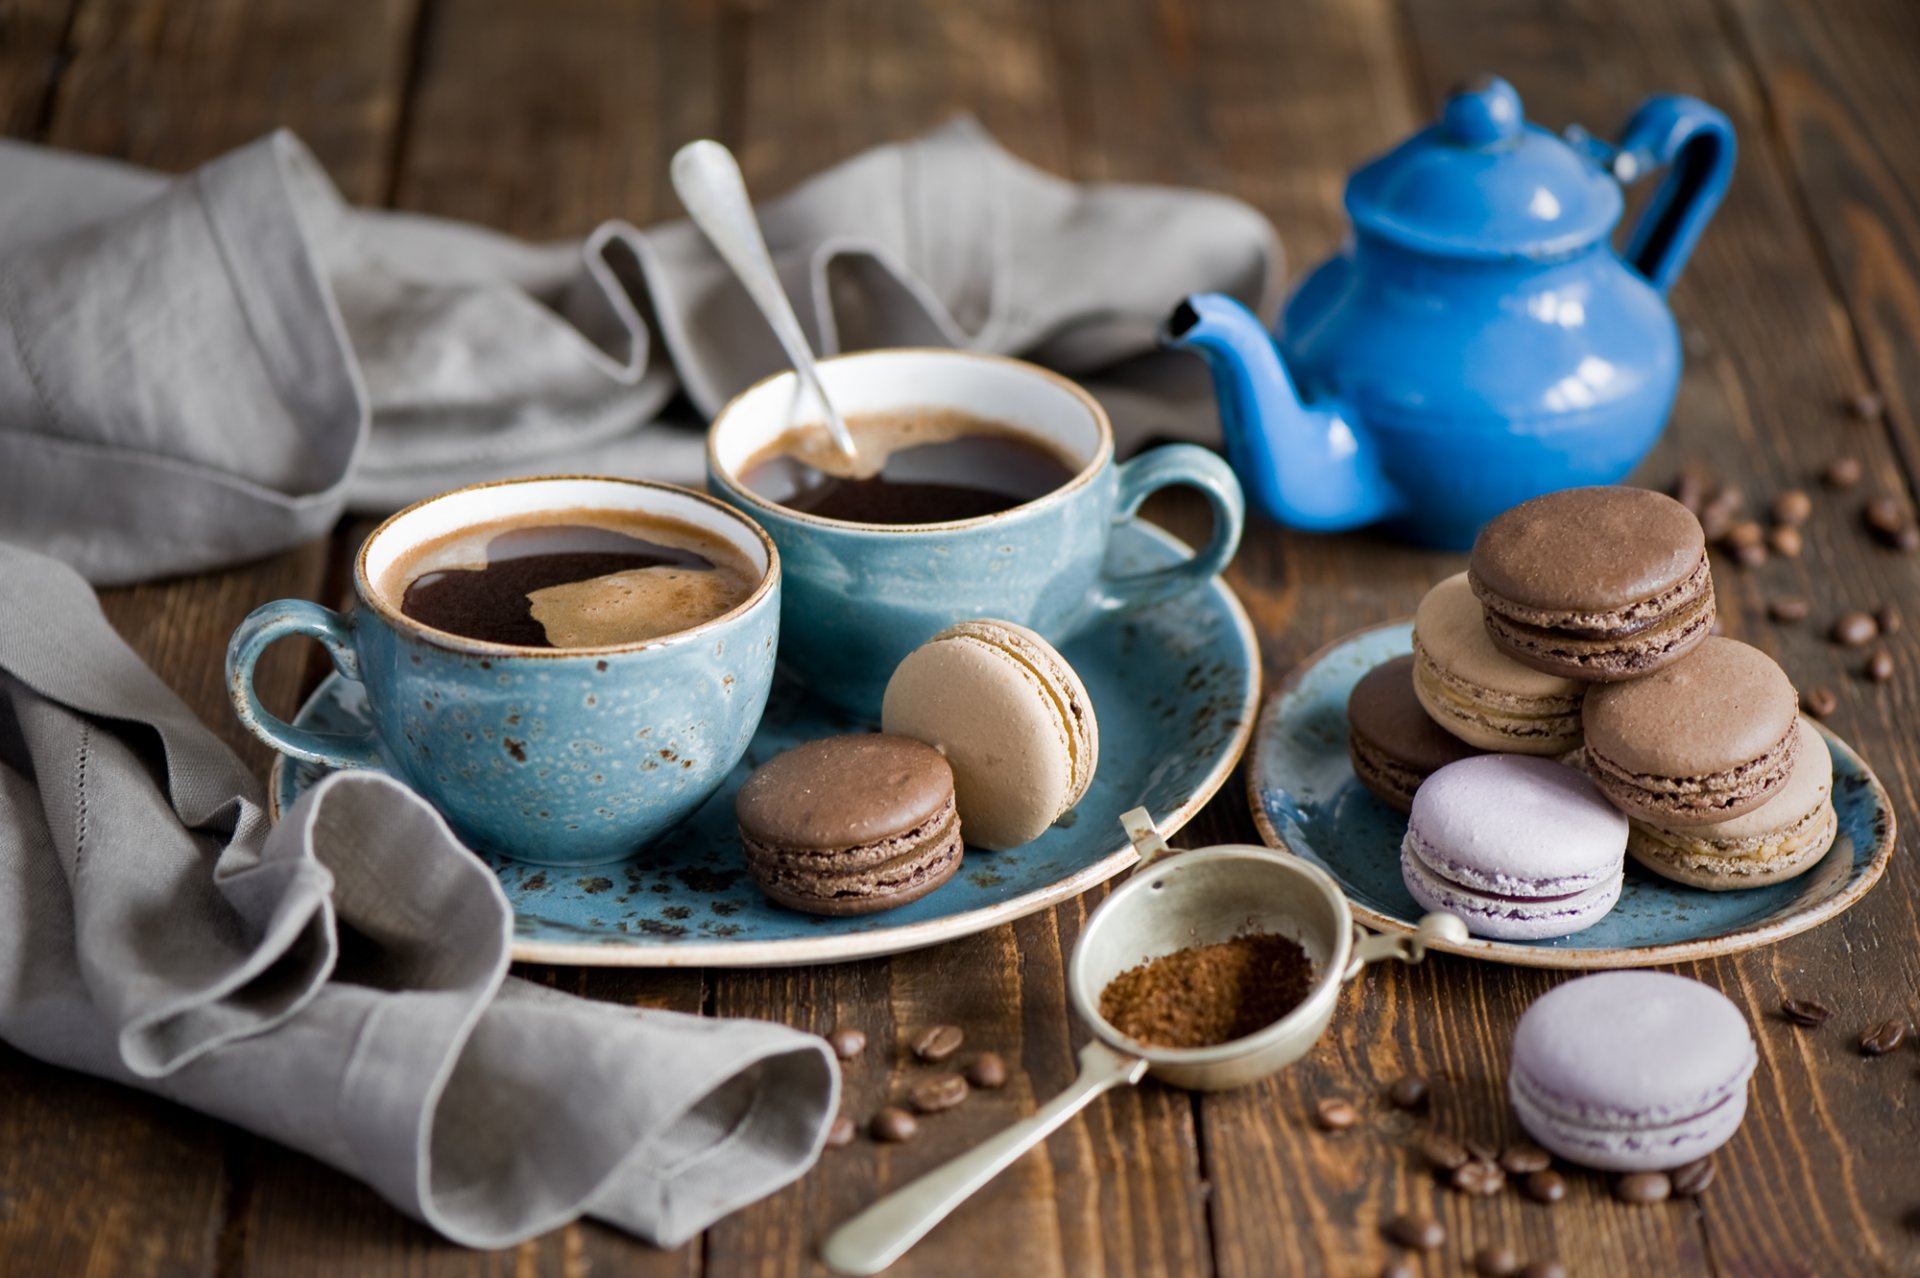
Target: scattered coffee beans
x,y
1841,472
987,1071
937,1042
1879,667
1443,1153
1479,1179
1886,518
1883,1038
1643,1187
892,1125
941,1092
1692,1180
847,1042
1409,1092
1789,608
1750,556
1785,540
1855,629
1888,618
1523,1160
1335,1115
1865,406
1209,994
1544,1269
1792,507
1820,702
1497,1261
840,1135
1416,1232
1481,1150
1804,1012
1545,1187
1745,533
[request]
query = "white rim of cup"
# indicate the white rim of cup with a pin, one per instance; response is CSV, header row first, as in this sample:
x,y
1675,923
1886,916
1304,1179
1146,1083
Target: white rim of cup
x,y
1102,453
371,598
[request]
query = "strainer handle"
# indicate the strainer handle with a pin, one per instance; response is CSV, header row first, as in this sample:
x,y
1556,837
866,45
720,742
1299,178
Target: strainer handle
x,y
883,1232
1370,947
1145,837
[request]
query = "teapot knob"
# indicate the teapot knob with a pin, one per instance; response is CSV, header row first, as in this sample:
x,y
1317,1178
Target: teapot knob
x,y
1483,112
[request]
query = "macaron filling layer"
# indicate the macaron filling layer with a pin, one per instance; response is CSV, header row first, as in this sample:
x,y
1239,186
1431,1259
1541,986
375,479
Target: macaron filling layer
x,y
1388,777
1506,715
1508,915
1698,800
879,874
1502,886
1685,598
1617,1140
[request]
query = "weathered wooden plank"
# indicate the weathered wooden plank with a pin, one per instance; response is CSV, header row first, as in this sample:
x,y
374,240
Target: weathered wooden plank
x,y
32,39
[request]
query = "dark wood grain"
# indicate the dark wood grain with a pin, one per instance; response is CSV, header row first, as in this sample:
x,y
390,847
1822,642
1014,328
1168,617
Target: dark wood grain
x,y
32,58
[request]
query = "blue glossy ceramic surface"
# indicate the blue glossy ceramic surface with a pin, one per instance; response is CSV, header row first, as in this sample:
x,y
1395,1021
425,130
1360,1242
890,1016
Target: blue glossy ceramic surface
x,y
1307,801
1477,341
1174,686
860,597
564,758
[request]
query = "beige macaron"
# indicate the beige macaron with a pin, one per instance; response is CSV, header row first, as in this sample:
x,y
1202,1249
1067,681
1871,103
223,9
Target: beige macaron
x,y
1477,692
1013,719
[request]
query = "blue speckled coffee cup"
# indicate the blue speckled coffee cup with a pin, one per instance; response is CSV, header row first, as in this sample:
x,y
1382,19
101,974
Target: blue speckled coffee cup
x,y
860,597
564,757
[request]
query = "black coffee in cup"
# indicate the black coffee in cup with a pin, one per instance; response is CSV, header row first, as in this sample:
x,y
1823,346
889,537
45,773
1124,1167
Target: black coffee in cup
x,y
918,466
571,579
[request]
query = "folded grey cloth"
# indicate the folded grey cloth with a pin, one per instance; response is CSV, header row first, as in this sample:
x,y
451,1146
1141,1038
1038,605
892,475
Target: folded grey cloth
x,y
338,982
208,369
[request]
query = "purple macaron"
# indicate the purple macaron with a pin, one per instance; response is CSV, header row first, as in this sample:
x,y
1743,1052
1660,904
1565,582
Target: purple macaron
x,y
1521,848
1631,1071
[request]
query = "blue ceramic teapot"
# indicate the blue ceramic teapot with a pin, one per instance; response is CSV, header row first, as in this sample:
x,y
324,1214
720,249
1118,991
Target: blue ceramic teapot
x,y
1477,341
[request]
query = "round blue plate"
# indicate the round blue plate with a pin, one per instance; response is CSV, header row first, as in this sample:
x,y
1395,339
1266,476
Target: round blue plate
x,y
1306,801
1175,689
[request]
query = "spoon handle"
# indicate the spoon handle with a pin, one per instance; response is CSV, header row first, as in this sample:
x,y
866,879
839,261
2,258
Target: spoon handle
x,y
883,1232
708,181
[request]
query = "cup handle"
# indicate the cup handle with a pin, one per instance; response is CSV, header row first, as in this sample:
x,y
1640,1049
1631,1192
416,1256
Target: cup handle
x,y
277,620
1148,473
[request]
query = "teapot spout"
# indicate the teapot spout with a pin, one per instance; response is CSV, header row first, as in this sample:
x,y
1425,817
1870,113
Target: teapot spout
x,y
1308,468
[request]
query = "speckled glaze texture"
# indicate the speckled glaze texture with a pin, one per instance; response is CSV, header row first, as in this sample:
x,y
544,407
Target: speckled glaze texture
x,y
1305,799
570,757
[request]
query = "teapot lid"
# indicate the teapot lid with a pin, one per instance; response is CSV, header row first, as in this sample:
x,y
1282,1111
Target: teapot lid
x,y
1485,183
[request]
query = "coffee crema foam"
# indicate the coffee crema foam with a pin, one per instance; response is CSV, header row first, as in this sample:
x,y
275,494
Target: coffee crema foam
x,y
608,609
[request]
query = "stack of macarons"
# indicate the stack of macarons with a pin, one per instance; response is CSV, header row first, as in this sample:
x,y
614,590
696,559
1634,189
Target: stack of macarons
x,y
1582,632
988,737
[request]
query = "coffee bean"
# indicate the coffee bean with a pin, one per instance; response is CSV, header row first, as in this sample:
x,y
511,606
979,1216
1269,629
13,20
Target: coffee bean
x,y
1820,702
1841,472
1888,618
1855,629
1692,1180
1883,1038
1409,1092
1523,1160
1906,541
1729,498
1481,1150
1879,667
1416,1232
1792,507
1643,1187
988,1071
1335,1115
1885,516
1479,1179
1497,1261
1785,540
1865,406
1715,521
893,1125
1442,1153
1745,533
1804,1012
1399,1268
840,1134
943,1091
847,1042
1752,556
1545,1187
937,1042
1789,608
1544,1269
1690,487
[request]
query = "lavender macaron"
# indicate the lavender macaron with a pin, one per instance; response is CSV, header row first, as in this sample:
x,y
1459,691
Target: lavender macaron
x,y
1521,848
1631,1071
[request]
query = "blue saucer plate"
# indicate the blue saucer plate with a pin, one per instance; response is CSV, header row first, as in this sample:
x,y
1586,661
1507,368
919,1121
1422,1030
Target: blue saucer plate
x,y
1175,688
1306,801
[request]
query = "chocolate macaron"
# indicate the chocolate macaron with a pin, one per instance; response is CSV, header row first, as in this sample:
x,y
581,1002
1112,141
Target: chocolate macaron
x,y
1597,584
1393,743
850,825
1704,740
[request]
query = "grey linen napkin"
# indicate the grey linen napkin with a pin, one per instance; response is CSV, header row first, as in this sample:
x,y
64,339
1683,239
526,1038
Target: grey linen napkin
x,y
207,369
338,982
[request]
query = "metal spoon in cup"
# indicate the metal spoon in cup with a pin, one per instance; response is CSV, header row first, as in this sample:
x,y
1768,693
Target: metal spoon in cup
x,y
1197,898
707,179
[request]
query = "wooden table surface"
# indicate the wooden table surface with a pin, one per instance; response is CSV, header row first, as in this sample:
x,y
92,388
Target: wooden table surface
x,y
544,118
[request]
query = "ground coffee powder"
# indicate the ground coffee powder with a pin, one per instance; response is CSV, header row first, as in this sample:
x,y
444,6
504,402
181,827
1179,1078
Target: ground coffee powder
x,y
1210,993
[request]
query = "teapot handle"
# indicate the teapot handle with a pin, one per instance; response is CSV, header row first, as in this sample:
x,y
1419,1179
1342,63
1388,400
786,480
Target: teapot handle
x,y
1696,142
